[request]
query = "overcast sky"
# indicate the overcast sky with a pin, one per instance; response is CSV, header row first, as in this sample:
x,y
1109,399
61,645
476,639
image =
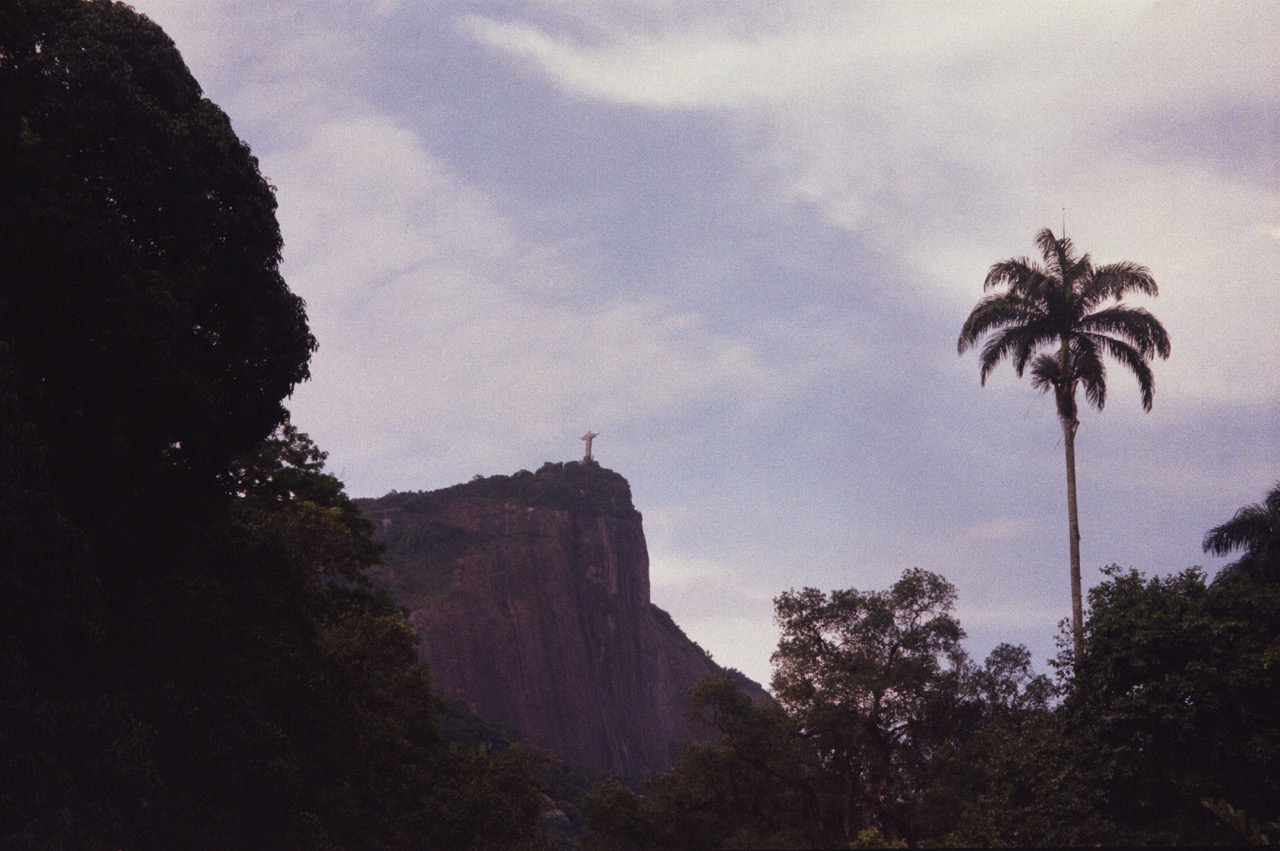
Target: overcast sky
x,y
738,240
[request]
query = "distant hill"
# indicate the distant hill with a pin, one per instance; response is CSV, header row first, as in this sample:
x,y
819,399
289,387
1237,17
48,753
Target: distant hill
x,y
530,594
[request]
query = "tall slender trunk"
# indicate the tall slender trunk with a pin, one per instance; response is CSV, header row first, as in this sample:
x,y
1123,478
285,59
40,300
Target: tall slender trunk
x,y
1066,398
1069,426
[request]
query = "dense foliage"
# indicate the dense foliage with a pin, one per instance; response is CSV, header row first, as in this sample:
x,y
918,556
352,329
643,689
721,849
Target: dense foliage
x,y
1178,701
187,656
567,486
884,732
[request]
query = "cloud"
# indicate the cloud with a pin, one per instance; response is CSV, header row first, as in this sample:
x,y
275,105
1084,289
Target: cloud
x,y
431,304
1047,59
680,68
946,139
738,240
453,340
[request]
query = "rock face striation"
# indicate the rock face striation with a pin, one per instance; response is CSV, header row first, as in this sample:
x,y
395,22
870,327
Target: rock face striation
x,y
530,595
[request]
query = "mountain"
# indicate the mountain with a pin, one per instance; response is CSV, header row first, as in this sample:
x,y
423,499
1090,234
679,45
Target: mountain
x,y
530,595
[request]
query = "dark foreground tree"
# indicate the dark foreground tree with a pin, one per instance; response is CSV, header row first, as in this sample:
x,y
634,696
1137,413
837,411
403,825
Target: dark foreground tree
x,y
1064,318
1020,783
146,340
1175,710
187,658
1256,530
143,301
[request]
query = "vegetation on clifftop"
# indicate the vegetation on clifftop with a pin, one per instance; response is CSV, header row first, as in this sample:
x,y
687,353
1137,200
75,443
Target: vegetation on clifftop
x,y
585,488
423,545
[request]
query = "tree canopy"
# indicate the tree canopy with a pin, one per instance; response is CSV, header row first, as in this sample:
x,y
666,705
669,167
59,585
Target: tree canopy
x,y
860,672
1061,305
188,658
143,310
1165,731
877,714
1175,707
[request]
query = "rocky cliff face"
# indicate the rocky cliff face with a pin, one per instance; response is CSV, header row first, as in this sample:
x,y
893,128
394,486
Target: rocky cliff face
x,y
530,594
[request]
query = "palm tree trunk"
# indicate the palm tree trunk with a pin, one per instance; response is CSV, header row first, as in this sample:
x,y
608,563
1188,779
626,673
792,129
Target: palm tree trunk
x,y
1069,426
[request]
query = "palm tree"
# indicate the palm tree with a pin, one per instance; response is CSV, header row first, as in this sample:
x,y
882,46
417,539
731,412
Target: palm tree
x,y
1062,307
1256,530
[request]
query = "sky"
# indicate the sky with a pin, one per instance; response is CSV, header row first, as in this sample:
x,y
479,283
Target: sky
x,y
738,241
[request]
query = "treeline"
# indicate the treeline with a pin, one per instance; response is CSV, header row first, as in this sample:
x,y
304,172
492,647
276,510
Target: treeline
x,y
577,486
188,655
885,733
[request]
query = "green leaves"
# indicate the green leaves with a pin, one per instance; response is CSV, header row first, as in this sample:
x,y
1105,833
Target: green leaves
x,y
879,723
1176,700
143,295
851,642
187,659
865,675
885,732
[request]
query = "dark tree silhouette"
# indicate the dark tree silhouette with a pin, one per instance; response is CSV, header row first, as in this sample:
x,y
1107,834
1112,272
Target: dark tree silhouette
x,y
1056,318
1256,530
188,658
147,322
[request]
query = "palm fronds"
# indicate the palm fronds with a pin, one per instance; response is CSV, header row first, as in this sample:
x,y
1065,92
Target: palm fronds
x,y
1036,312
1256,530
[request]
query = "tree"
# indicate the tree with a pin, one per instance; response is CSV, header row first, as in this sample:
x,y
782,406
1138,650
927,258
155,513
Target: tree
x,y
1023,785
1177,703
883,733
1256,530
142,302
187,656
873,678
1062,306
757,784
146,340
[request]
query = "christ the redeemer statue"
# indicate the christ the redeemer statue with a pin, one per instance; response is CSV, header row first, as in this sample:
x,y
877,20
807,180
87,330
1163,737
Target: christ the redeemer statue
x,y
588,437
